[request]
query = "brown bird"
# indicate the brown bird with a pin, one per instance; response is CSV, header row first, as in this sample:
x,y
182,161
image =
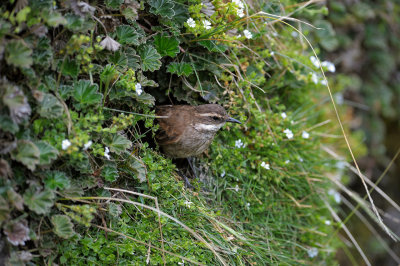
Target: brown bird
x,y
186,130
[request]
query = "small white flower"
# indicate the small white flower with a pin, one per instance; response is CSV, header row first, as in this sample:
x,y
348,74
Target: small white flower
x,y
238,3
65,144
181,263
272,53
340,165
207,24
339,98
248,34
138,88
239,144
312,252
248,205
191,23
305,135
327,222
265,165
240,12
237,188
107,153
287,161
110,44
283,115
315,61
188,203
289,133
335,194
87,145
301,159
329,65
223,173
239,35
314,78
323,82
274,34
294,34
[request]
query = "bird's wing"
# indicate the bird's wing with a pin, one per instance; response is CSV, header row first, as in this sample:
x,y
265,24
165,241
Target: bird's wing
x,y
172,125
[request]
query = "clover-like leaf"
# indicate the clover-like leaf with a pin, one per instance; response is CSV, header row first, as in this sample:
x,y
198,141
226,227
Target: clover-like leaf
x,y
117,143
127,35
166,46
63,226
110,173
164,8
86,93
50,107
47,152
39,201
150,58
180,68
18,54
27,153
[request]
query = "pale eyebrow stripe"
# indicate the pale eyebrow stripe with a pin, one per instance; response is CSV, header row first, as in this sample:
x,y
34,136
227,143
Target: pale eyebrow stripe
x,y
210,114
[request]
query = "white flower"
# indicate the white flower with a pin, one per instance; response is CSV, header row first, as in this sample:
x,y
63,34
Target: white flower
x,y
181,263
312,252
223,173
207,24
265,165
305,135
274,34
191,23
65,144
110,44
287,161
240,12
138,88
327,222
107,153
294,34
248,205
188,203
87,145
239,35
335,194
314,78
283,115
340,165
238,3
329,65
301,159
237,188
315,61
289,133
272,53
339,98
248,34
323,82
239,144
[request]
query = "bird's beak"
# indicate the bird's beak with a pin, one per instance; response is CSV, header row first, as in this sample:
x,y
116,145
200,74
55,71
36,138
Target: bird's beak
x,y
233,120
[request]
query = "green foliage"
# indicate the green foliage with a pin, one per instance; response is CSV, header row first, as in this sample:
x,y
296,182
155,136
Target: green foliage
x,y
150,58
166,46
18,54
180,69
39,201
63,226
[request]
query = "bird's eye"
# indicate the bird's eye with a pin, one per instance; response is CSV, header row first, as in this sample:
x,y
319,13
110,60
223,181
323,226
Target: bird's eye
x,y
215,118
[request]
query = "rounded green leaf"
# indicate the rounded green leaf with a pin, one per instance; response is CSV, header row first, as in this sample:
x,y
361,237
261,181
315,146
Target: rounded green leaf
x,y
86,93
27,153
63,226
150,58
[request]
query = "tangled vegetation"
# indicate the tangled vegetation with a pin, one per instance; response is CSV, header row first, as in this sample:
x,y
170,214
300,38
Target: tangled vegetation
x,y
81,182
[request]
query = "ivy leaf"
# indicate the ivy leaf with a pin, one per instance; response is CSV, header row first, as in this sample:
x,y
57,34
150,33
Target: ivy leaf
x,y
127,35
27,153
50,107
110,173
70,68
163,8
63,226
150,58
213,46
86,93
18,54
166,46
47,152
38,201
56,179
180,68
117,143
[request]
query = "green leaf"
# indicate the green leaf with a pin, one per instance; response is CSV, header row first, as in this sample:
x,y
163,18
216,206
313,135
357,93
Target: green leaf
x,y
119,59
4,209
76,23
63,226
109,73
27,153
70,68
6,124
163,8
39,201
47,152
127,35
114,4
129,10
133,58
180,68
50,106
213,46
146,99
145,82
137,167
56,179
150,58
65,91
18,54
117,143
110,173
54,19
43,53
86,93
166,46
